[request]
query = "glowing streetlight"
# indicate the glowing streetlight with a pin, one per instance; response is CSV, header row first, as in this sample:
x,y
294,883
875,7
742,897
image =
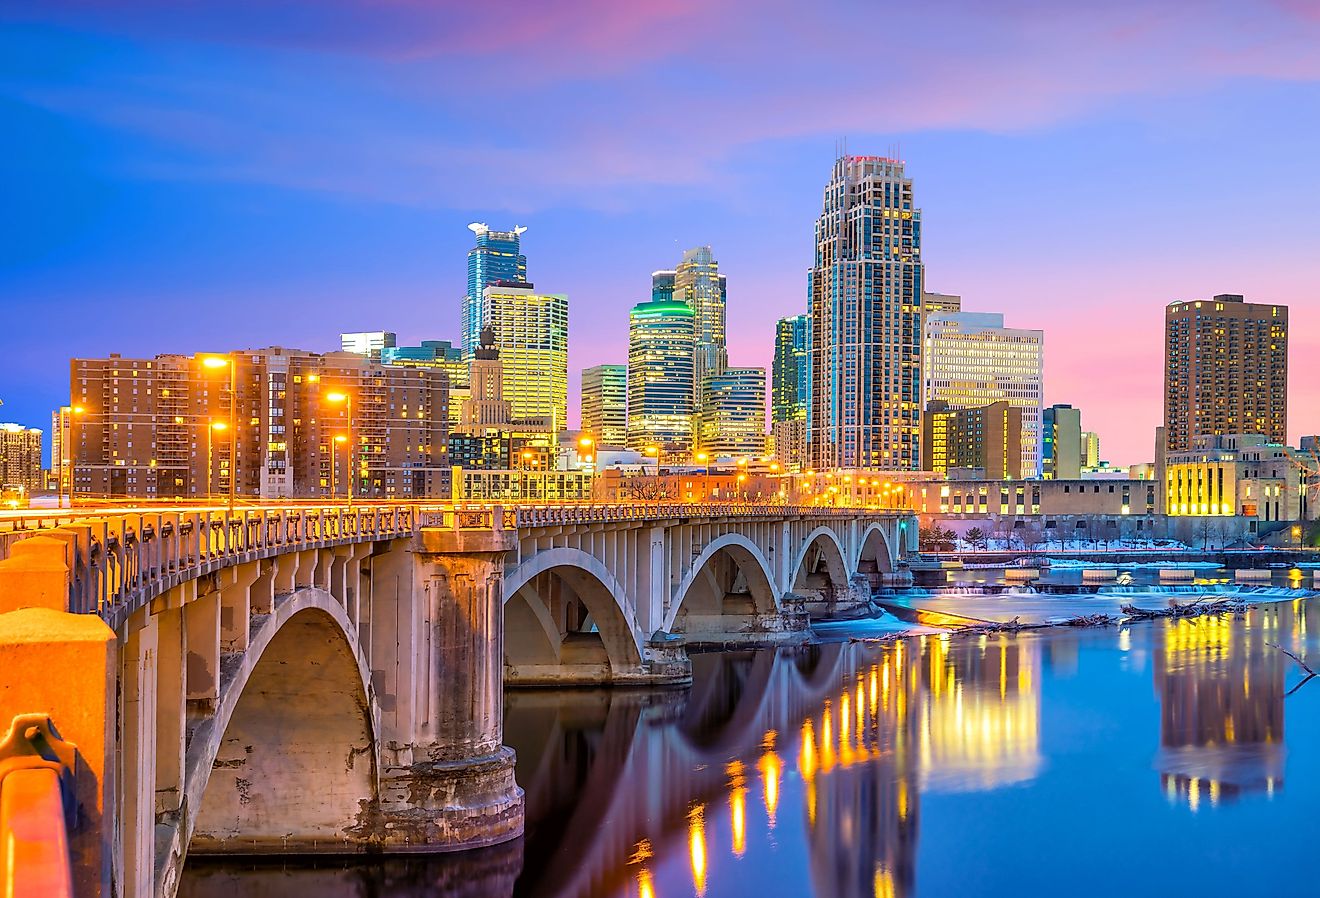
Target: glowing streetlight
x,y
214,363
334,398
213,428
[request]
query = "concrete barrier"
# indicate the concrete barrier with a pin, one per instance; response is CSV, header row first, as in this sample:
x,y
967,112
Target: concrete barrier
x,y
1184,574
1098,574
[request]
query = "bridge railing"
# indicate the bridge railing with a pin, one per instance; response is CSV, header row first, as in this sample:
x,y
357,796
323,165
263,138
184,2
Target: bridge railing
x,y
122,559
552,515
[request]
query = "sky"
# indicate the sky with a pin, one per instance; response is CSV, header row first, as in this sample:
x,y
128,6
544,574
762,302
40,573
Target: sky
x,y
204,175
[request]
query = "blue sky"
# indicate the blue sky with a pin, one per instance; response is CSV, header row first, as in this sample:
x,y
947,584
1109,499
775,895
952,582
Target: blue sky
x,y
211,175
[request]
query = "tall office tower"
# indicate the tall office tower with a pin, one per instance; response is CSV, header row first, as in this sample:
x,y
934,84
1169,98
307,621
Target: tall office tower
x,y
986,439
661,393
698,282
161,427
972,360
1090,450
605,405
496,259
1061,443
866,287
790,390
61,474
662,286
371,344
437,354
732,421
531,334
20,458
1225,370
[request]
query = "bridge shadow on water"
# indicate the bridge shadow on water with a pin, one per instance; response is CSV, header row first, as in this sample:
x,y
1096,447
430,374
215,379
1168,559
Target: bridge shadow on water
x,y
816,770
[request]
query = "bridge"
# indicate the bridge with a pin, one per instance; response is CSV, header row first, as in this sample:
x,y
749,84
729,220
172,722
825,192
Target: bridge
x,y
325,680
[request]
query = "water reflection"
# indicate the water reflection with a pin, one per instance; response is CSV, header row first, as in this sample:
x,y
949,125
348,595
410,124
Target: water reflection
x,y
815,770
1221,688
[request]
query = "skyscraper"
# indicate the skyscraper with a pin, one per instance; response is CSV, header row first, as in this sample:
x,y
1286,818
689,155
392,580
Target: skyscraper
x,y
698,282
866,287
661,393
605,404
61,473
1225,370
732,421
20,458
496,259
662,286
972,360
531,334
790,389
1090,450
1061,443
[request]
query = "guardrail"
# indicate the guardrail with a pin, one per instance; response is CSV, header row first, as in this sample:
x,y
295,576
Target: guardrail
x,y
36,810
122,559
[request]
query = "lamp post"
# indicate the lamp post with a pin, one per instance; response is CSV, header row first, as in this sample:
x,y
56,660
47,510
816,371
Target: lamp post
x,y
347,399
587,443
66,457
213,362
334,462
704,459
213,427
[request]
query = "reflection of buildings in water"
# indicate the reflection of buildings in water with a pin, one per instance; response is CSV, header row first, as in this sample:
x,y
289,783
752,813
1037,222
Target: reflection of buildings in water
x,y
1221,687
979,713
953,713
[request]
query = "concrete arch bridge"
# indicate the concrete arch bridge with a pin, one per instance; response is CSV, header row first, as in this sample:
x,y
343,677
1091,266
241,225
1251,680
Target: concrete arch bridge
x,y
307,679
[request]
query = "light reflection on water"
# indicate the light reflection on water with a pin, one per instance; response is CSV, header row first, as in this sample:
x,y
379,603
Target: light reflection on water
x,y
933,765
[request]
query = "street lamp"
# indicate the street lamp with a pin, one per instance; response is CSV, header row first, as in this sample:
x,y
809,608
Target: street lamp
x,y
66,459
346,398
215,362
213,427
334,458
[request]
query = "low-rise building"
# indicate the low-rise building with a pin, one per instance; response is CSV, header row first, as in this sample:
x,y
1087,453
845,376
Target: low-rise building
x,y
1238,475
987,438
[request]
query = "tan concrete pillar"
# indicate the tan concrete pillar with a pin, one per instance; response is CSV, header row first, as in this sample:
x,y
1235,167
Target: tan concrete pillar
x,y
171,709
450,784
64,666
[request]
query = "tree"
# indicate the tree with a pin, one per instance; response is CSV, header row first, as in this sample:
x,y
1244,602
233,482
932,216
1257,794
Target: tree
x,y
975,536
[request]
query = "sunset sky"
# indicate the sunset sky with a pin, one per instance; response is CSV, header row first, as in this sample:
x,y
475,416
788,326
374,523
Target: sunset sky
x,y
189,175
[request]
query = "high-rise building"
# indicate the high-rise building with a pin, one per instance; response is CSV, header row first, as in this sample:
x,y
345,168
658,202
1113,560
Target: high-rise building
x,y
1225,370
20,458
662,286
972,360
496,259
160,427
866,287
531,333
61,472
732,421
436,354
790,390
1061,443
485,410
698,282
661,392
1090,442
987,440
371,344
605,405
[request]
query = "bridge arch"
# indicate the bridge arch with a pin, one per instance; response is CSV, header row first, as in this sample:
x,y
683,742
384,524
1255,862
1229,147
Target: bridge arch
x,y
731,576
820,567
290,760
563,606
875,554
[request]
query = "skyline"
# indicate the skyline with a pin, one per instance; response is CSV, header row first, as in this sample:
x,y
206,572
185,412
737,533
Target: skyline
x,y
147,172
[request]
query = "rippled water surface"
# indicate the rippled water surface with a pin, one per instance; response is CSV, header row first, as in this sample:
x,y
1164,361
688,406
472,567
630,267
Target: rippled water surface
x,y
1164,758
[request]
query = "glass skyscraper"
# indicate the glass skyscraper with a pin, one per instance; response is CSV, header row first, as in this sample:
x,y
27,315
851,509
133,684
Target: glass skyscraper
x,y
866,288
605,405
732,420
497,258
661,391
530,332
698,282
790,390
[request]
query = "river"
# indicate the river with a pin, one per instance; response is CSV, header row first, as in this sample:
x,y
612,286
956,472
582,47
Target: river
x,y
1157,758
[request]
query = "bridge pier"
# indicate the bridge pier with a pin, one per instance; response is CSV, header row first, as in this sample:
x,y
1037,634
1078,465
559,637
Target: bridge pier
x,y
447,779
